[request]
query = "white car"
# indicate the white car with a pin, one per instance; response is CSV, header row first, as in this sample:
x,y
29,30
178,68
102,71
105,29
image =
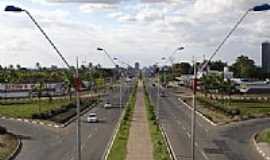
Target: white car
x,y
107,105
92,118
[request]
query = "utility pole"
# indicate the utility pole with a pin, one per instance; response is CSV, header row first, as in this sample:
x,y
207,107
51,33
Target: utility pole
x,y
120,89
193,120
78,111
158,95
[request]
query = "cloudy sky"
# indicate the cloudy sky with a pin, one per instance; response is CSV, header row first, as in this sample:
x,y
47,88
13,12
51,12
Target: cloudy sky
x,y
132,30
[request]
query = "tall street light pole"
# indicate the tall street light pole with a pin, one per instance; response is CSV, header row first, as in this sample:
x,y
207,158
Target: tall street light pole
x,y
158,94
170,58
18,10
112,60
164,73
128,65
259,8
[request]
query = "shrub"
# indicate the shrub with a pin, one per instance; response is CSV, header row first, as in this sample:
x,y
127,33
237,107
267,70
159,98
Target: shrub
x,y
35,116
3,130
235,112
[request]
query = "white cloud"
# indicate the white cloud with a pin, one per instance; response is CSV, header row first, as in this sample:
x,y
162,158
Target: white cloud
x,y
88,8
141,31
88,1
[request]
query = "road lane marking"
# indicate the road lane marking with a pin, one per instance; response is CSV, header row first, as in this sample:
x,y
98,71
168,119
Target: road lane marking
x,y
204,155
184,128
188,134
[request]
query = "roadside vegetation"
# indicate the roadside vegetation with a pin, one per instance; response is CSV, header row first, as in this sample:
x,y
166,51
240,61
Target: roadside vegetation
x,y
27,109
226,111
263,136
59,111
119,148
159,143
8,143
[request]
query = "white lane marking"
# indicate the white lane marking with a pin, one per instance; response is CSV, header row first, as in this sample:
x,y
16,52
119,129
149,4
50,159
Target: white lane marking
x,y
184,128
188,134
89,136
204,155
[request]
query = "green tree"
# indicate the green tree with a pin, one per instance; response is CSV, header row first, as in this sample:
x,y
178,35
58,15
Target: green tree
x,y
217,65
244,67
182,68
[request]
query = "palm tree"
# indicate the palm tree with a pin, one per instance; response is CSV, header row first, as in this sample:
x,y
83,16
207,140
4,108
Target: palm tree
x,y
18,67
69,79
39,88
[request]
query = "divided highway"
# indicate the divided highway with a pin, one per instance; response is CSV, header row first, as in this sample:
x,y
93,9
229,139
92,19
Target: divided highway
x,y
43,143
230,142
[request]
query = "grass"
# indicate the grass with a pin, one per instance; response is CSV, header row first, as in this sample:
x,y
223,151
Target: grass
x,y
159,144
26,110
245,107
264,136
225,111
7,145
119,148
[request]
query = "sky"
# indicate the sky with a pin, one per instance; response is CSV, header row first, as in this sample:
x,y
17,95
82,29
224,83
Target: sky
x,y
141,31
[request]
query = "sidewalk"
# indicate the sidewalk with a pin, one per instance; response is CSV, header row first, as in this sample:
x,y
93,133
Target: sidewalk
x,y
139,141
264,150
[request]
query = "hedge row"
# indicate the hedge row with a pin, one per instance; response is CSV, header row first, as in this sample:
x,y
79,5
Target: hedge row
x,y
3,130
227,111
65,112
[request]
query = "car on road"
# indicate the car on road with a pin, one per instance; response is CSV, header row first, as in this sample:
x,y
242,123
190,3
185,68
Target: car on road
x,y
107,105
162,94
92,118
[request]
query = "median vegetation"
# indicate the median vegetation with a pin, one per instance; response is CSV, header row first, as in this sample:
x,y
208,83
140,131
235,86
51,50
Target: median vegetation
x,y
158,141
8,143
119,148
59,111
224,111
263,136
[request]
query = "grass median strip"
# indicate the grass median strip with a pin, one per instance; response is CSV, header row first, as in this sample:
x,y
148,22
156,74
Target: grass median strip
x,y
28,109
159,144
264,136
8,144
119,148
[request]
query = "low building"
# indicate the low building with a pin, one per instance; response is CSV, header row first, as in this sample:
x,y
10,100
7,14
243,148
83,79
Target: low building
x,y
249,86
20,90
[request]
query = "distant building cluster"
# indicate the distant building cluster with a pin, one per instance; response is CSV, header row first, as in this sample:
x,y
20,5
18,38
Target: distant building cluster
x,y
12,90
137,66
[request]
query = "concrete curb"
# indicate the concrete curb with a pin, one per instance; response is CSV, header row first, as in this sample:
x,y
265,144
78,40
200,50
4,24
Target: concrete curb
x,y
199,113
17,149
37,122
168,144
261,152
113,137
43,123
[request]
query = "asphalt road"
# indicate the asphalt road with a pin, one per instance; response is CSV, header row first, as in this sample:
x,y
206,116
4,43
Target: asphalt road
x,y
44,143
230,142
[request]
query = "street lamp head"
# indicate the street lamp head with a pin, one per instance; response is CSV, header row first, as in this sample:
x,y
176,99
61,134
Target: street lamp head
x,y
263,7
115,58
163,58
180,48
13,9
100,49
